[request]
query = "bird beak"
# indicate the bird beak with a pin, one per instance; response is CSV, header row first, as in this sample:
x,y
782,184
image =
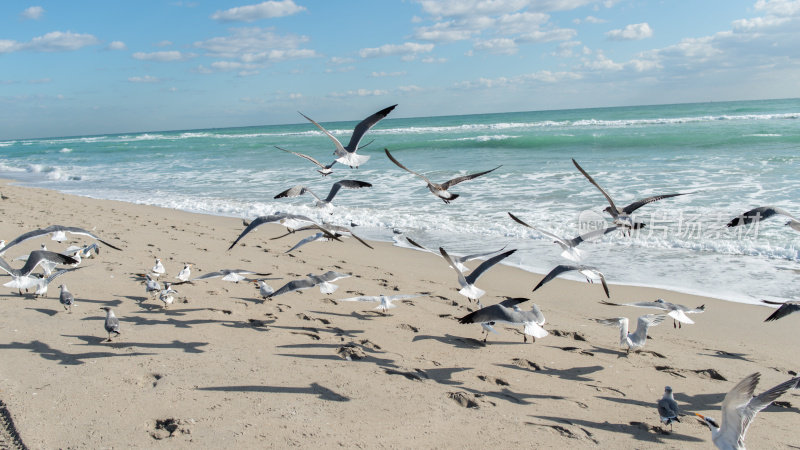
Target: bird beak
x,y
700,416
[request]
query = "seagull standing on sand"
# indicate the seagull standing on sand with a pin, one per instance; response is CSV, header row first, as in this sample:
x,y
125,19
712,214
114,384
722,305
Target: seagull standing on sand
x,y
739,408
264,289
508,311
384,300
590,273
325,282
636,340
151,286
677,312
158,269
467,283
440,190
185,273
569,247
326,202
112,323
347,155
165,295
668,408
762,213
66,298
784,310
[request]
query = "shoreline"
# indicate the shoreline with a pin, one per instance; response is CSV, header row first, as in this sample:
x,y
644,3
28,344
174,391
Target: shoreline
x,y
220,366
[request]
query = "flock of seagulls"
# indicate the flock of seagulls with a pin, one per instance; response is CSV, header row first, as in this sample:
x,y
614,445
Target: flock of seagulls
x,y
738,408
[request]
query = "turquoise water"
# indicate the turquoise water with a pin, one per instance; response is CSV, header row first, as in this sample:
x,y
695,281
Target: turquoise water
x,y
732,156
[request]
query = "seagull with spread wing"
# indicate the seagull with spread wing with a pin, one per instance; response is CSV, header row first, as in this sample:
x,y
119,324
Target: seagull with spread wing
x,y
508,311
569,247
636,340
467,283
674,310
590,273
326,202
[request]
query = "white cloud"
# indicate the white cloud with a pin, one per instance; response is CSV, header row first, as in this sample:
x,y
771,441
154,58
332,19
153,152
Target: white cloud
x,y
164,56
163,44
386,74
550,35
359,93
450,31
55,41
32,13
779,7
144,79
432,60
456,8
117,45
409,89
504,46
631,32
264,10
589,19
256,45
340,60
542,76
566,49
408,49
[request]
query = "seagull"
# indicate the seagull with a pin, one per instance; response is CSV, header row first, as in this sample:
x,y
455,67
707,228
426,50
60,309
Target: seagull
x,y
314,237
668,408
86,251
284,218
151,286
458,260
739,408
440,190
569,246
347,155
384,300
264,289
677,312
762,213
235,275
112,323
324,281
784,310
165,295
508,311
58,232
324,169
66,298
467,283
35,258
324,203
158,269
337,231
42,283
185,273
622,217
590,273
634,341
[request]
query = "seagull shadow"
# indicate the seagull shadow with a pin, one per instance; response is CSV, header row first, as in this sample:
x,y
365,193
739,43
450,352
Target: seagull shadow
x,y
49,312
637,430
462,342
321,392
111,303
726,355
381,362
572,374
187,347
70,359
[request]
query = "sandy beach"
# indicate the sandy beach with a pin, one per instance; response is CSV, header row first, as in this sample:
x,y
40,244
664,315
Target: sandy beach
x,y
221,368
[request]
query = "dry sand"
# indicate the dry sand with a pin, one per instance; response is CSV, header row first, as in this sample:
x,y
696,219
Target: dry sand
x,y
222,368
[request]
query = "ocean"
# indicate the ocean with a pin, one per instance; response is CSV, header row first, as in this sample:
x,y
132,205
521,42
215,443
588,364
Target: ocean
x,y
728,157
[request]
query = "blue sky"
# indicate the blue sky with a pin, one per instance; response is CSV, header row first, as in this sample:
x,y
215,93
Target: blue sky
x,y
96,67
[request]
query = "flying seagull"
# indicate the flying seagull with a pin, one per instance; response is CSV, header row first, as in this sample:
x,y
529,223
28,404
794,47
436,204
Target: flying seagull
x,y
677,312
112,323
784,310
440,190
622,217
668,408
347,155
323,169
235,275
384,300
636,340
326,202
283,218
764,212
325,282
328,233
458,260
35,258
590,273
467,283
739,408
569,247
58,232
508,311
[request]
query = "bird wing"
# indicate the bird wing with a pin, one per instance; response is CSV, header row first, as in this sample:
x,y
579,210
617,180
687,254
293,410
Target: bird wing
x,y
763,400
305,241
475,274
397,163
614,210
462,281
492,313
361,129
411,241
268,219
363,298
333,276
605,285
544,232
537,314
304,156
206,276
784,310
11,271
450,183
511,301
557,270
81,231
758,214
463,259
639,203
24,237
347,184
37,256
293,286
591,235
336,142
657,305
58,273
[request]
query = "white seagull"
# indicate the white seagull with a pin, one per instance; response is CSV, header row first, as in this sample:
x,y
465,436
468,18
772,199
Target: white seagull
x,y
467,283
264,289
323,169
384,300
324,281
290,221
165,295
739,408
347,155
677,312
440,190
508,311
458,260
569,247
636,340
235,275
326,202
158,269
185,273
21,280
590,273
